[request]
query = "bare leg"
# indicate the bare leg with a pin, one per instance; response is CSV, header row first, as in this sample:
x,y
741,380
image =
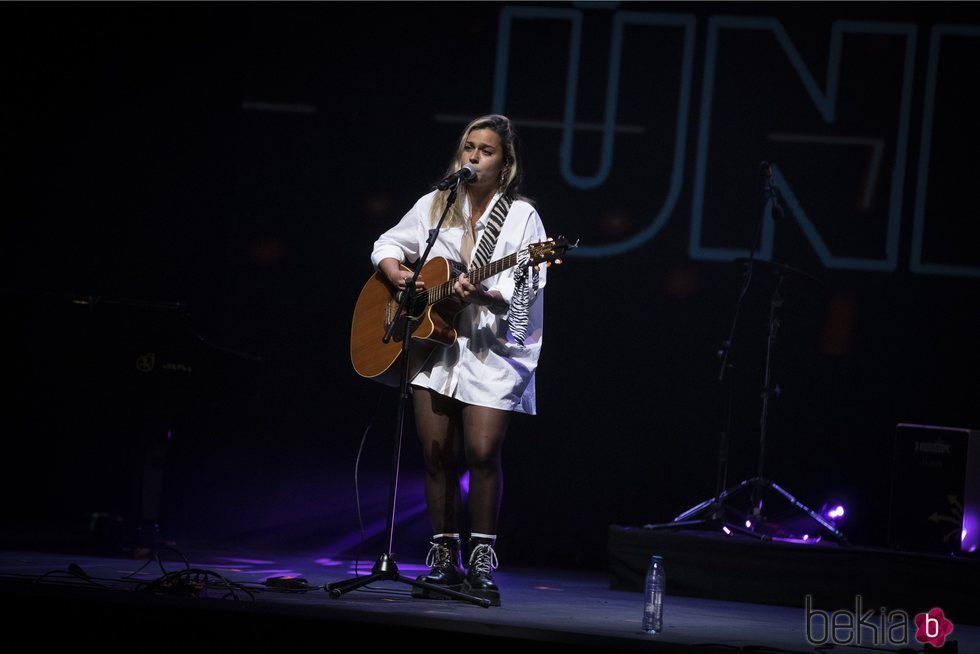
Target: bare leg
x,y
437,422
483,433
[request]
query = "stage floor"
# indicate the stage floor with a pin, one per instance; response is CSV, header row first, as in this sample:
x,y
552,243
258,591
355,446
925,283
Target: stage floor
x,y
546,609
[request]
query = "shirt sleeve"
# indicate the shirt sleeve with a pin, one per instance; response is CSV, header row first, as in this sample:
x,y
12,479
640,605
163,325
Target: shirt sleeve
x,y
401,241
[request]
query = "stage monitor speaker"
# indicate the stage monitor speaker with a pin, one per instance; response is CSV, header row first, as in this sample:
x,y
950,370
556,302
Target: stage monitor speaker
x,y
935,493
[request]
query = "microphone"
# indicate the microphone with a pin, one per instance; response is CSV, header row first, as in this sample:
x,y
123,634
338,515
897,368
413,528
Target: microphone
x,y
465,173
769,191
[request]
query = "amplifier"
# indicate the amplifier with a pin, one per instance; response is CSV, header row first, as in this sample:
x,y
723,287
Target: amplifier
x,y
935,491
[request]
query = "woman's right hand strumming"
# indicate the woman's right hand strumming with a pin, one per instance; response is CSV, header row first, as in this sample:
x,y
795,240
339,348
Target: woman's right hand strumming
x,y
397,275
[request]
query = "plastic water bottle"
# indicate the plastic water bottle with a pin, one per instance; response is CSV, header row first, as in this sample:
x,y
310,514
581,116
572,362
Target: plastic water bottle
x,y
653,596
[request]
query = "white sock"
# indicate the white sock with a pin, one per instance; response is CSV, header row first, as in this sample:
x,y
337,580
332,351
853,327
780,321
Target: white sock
x,y
437,536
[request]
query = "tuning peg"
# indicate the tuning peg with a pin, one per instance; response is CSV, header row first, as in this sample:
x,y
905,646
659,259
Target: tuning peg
x,y
558,261
551,240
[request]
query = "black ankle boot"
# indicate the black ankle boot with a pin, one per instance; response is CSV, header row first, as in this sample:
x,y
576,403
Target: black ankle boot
x,y
447,569
479,581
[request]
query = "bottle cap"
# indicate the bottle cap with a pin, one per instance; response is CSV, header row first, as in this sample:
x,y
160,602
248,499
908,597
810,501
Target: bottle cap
x,y
656,558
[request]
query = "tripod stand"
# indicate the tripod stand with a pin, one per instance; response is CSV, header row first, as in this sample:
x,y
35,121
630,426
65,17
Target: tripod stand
x,y
717,512
406,318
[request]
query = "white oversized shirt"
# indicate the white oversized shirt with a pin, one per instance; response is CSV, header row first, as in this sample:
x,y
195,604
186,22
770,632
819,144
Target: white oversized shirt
x,y
485,366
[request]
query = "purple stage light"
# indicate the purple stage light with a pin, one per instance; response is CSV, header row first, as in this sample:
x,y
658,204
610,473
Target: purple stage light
x,y
833,511
970,536
352,539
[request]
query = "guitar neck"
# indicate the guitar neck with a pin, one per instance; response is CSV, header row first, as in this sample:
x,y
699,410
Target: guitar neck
x,y
476,275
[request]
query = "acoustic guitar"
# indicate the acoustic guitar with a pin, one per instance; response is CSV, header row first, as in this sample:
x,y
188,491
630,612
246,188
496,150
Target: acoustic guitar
x,y
433,312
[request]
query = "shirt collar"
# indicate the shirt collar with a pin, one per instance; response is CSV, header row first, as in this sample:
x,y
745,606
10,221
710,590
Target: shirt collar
x,y
482,222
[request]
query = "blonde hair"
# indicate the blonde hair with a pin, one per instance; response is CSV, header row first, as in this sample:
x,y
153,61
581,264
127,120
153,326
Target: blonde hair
x,y
509,182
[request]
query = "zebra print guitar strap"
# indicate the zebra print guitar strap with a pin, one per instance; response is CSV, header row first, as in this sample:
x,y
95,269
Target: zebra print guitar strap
x,y
525,281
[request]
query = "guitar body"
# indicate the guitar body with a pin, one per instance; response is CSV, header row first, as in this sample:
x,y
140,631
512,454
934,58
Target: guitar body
x,y
377,306
436,309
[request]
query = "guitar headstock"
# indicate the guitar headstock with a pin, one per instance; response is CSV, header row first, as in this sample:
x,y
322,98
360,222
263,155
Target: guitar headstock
x,y
549,251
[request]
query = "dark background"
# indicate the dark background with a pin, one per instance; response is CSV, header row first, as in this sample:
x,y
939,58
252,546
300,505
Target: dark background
x,y
204,182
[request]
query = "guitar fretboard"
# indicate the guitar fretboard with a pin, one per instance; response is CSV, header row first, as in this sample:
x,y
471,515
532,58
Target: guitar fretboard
x,y
476,275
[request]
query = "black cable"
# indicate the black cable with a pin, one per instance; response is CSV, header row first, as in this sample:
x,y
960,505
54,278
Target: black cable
x,y
357,494
169,581
159,560
357,501
148,562
178,553
69,575
74,571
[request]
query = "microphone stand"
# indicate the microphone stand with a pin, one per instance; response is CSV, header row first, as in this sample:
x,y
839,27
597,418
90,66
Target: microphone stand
x,y
713,512
385,568
713,508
